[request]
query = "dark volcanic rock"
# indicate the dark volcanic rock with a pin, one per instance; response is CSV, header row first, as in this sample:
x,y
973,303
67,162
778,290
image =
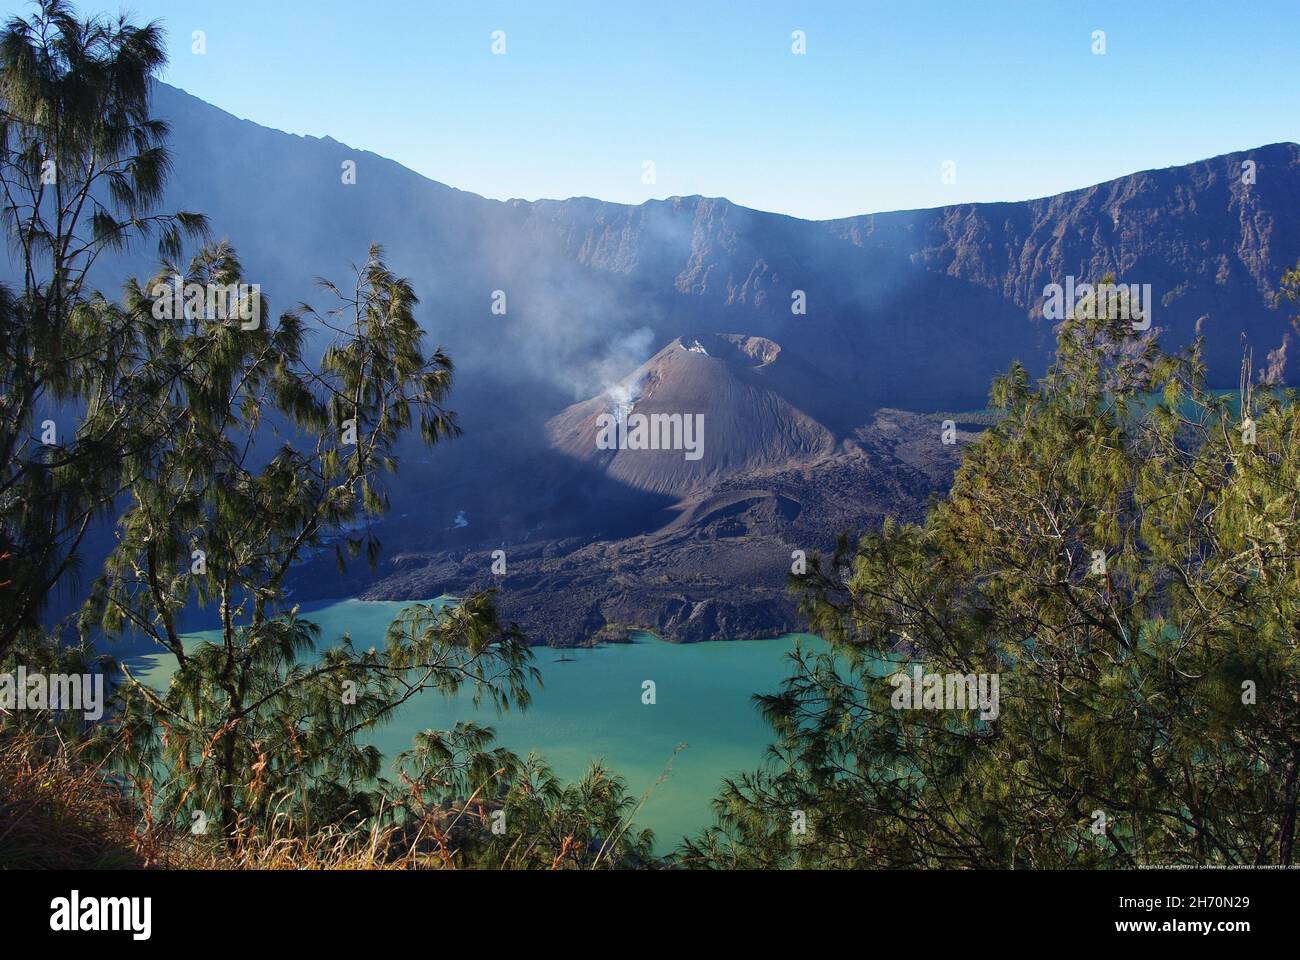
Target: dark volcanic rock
x,y
718,566
915,309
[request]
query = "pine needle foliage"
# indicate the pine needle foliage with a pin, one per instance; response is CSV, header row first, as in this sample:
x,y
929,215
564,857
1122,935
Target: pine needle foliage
x,y
271,458
1149,701
83,165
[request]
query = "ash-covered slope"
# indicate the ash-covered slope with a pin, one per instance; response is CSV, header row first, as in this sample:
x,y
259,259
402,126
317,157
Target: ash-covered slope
x,y
711,552
744,394
716,564
915,310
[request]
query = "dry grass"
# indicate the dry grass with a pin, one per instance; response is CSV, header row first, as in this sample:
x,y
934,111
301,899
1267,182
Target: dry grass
x,y
58,811
328,849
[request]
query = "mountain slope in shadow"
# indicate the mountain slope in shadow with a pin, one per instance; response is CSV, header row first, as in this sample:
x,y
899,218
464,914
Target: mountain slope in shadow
x,y
909,310
705,546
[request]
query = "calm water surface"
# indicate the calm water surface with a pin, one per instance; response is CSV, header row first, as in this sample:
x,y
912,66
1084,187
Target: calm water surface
x,y
590,709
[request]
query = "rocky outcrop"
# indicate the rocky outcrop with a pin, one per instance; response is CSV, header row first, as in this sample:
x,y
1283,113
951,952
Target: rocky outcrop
x,y
718,567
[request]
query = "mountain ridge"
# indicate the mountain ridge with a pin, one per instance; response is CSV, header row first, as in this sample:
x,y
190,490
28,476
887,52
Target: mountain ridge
x,y
328,139
886,313
584,275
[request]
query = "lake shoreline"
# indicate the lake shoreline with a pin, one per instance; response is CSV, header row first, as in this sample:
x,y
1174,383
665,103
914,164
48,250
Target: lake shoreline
x,y
594,705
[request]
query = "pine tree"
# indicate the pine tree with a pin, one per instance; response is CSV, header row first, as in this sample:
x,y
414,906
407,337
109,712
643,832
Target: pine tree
x,y
271,458
82,167
1122,551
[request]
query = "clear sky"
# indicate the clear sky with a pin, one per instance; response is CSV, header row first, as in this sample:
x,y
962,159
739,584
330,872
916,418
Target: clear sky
x,y
1010,92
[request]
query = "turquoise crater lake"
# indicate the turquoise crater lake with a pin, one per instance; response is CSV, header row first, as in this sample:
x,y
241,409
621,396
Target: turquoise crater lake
x,y
589,708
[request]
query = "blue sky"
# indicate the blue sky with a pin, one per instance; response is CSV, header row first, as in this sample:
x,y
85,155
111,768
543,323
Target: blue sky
x,y
1009,92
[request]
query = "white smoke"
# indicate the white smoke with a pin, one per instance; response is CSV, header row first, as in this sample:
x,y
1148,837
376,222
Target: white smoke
x,y
623,355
